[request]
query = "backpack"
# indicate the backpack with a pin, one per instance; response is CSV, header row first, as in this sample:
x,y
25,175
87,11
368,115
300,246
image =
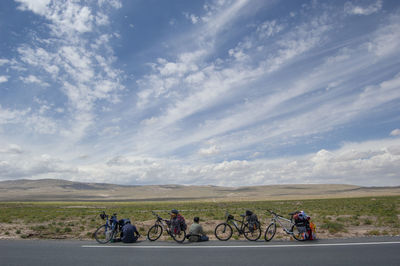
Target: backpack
x,y
182,223
301,219
253,222
178,224
312,231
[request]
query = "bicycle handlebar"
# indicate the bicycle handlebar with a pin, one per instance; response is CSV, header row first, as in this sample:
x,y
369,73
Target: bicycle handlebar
x,y
272,212
158,216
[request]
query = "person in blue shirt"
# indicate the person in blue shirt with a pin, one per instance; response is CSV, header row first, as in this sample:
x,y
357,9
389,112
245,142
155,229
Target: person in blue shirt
x,y
129,233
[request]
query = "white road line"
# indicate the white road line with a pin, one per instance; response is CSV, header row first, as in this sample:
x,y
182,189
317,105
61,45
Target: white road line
x,y
256,246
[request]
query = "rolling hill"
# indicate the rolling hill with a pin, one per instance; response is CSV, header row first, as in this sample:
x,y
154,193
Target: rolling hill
x,y
62,190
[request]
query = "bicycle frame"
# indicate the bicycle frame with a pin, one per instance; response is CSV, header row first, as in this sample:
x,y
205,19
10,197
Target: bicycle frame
x,y
110,228
162,222
164,225
278,218
235,222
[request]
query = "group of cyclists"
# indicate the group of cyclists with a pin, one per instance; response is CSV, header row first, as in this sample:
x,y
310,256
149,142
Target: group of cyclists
x,y
128,233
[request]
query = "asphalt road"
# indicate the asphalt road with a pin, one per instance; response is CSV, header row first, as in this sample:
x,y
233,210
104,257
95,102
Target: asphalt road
x,y
363,251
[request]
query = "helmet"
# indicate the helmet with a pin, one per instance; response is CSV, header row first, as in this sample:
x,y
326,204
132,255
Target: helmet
x,y
123,222
248,213
302,215
174,211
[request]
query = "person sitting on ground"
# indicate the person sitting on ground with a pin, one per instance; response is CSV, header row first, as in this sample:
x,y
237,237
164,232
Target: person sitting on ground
x,y
177,222
129,233
196,233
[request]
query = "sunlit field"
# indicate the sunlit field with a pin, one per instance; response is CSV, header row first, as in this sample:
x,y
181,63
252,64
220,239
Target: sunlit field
x,y
335,218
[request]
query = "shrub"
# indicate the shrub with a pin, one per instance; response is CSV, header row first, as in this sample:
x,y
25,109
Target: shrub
x,y
333,227
367,222
373,233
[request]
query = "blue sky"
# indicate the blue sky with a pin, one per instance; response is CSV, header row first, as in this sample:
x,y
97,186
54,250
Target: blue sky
x,y
201,92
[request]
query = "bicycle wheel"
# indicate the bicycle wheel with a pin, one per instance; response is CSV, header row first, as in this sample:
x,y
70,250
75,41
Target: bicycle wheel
x,y
251,235
223,232
180,238
103,234
298,233
270,232
154,232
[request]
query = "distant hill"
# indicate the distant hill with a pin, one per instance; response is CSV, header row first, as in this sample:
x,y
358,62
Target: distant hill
x,y
62,190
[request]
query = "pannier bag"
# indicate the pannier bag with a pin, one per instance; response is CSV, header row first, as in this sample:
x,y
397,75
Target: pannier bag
x,y
252,220
178,224
312,233
305,226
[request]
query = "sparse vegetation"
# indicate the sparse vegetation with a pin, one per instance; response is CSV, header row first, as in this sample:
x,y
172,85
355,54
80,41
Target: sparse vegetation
x,y
352,216
333,227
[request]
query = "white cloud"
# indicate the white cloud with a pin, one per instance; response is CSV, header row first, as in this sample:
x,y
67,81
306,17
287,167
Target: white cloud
x,y
3,79
11,149
386,40
22,164
102,19
38,6
80,65
353,9
33,79
41,124
269,28
8,116
209,151
193,18
4,61
395,132
353,163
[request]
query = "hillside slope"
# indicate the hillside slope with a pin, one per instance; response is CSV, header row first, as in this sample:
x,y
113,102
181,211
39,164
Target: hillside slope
x,y
62,190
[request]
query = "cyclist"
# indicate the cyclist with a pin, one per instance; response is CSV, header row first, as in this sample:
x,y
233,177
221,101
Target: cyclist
x,y
177,222
196,233
129,233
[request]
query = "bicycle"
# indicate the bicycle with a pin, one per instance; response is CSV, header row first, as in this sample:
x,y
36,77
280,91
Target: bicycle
x,y
108,231
160,225
224,231
292,229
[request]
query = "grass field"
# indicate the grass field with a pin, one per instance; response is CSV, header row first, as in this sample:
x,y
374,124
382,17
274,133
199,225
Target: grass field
x,y
347,217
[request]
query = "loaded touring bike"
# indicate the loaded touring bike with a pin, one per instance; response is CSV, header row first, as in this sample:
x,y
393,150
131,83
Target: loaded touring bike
x,y
224,230
160,225
108,231
288,226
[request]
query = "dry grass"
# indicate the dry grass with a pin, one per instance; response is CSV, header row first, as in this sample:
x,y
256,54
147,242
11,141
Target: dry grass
x,y
347,217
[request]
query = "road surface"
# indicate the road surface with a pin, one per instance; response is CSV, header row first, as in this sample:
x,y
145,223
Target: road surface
x,y
362,251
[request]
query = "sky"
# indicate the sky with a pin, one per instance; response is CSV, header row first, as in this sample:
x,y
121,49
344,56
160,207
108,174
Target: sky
x,y
228,93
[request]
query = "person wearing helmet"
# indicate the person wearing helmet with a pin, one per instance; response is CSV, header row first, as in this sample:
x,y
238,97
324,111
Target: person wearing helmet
x,y
177,222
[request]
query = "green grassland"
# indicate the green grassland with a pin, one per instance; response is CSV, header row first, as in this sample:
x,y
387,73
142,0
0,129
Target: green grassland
x,y
78,220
